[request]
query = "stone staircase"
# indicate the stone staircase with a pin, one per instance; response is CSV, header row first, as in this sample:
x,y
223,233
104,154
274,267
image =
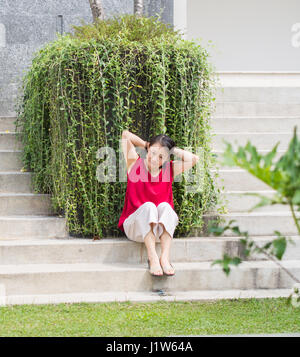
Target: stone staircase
x,y
23,213
43,264
115,269
262,108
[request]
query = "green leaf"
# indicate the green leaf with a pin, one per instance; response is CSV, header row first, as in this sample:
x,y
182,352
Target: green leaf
x,y
246,252
226,261
279,245
243,241
216,230
236,230
236,261
270,156
267,245
296,198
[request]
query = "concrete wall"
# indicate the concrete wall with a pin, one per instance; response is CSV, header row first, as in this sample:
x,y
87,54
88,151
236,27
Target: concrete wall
x,y
256,35
26,25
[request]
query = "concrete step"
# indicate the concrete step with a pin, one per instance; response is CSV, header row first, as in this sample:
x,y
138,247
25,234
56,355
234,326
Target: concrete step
x,y
255,124
259,94
8,123
219,157
254,108
122,250
238,180
238,201
16,182
272,79
190,295
10,160
25,204
28,227
257,223
9,141
262,141
39,279
6,107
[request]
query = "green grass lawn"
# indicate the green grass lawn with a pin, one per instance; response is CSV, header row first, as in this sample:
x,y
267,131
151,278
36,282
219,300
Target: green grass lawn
x,y
238,316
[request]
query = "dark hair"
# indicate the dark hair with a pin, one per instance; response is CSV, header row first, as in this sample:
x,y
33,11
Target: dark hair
x,y
163,140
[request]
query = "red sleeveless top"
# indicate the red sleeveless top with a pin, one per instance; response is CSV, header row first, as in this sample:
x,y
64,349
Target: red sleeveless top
x,y
143,187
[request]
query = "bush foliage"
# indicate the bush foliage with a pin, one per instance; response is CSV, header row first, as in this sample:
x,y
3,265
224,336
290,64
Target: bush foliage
x,y
84,88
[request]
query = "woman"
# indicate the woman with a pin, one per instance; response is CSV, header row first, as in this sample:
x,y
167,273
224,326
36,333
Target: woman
x,y
148,214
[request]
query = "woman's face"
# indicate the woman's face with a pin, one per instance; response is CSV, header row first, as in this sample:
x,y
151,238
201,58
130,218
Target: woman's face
x,y
156,156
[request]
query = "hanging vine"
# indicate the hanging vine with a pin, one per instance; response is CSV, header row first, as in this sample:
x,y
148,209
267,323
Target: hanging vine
x,y
84,89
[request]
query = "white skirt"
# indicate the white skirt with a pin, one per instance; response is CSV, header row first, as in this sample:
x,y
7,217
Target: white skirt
x,y
137,225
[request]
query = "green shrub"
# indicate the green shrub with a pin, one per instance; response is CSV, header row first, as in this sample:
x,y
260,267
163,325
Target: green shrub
x,y
84,88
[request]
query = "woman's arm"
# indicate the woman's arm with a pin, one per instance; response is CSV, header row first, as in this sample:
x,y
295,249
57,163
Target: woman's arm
x,y
188,160
136,141
186,155
129,141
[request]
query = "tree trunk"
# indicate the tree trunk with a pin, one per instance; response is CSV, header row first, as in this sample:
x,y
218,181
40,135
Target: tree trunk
x,y
97,10
138,7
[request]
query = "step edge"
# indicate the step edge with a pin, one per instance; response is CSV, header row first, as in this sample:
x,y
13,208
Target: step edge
x,y
38,268
125,241
137,296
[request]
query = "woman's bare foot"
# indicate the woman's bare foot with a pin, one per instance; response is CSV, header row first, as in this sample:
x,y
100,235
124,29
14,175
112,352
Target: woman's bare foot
x,y
166,266
155,268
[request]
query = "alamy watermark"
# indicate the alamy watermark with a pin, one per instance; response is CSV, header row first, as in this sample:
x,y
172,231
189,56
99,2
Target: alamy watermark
x,y
107,169
296,36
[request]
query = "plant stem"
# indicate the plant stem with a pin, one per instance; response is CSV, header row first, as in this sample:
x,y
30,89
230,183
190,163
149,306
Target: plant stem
x,y
294,216
276,262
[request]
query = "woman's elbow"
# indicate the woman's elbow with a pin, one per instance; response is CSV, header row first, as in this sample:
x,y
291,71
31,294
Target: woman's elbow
x,y
125,133
195,160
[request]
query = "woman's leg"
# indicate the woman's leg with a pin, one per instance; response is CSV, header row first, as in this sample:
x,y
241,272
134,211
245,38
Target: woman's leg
x,y
167,222
149,240
165,243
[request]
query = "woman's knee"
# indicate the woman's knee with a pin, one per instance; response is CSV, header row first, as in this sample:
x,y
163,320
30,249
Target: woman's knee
x,y
149,205
150,209
164,208
164,204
